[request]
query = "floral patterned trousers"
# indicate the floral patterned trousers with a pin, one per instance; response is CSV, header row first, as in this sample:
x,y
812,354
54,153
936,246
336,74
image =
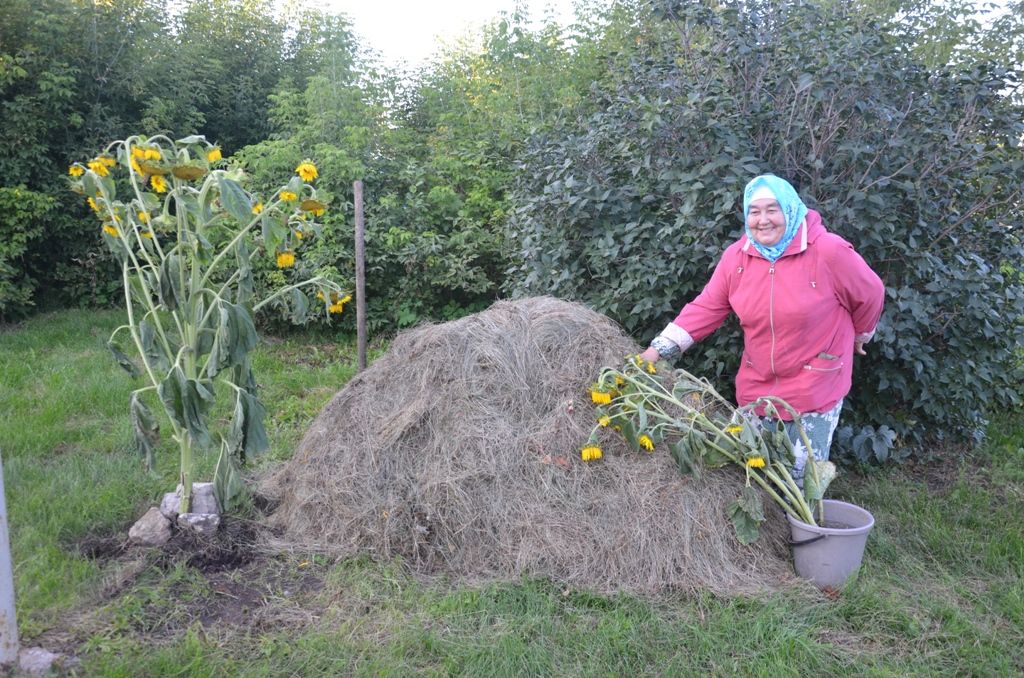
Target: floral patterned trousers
x,y
819,427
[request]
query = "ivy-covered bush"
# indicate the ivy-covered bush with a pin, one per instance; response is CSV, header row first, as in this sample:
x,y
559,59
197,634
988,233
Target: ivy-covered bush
x,y
630,208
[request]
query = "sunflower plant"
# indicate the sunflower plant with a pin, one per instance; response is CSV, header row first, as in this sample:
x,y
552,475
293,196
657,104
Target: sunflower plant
x,y
185,232
686,416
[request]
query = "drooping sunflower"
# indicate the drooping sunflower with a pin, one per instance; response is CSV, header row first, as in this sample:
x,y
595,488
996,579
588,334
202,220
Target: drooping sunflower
x,y
313,206
98,167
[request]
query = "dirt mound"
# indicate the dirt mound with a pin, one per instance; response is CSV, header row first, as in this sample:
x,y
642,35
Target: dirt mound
x,y
458,451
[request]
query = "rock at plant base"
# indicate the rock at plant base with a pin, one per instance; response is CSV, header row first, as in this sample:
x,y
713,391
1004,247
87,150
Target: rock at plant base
x,y
203,501
152,529
35,661
169,505
204,524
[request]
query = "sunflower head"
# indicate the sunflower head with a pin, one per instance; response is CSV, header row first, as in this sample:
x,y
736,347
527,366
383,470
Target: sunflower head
x,y
306,171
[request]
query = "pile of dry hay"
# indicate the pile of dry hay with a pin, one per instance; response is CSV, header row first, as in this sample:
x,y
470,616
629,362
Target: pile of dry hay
x,y
458,450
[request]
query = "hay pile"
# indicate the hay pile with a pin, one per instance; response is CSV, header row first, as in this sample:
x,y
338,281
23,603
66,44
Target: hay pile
x,y
458,450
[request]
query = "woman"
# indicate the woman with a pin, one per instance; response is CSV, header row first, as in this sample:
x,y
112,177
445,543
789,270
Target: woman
x,y
806,302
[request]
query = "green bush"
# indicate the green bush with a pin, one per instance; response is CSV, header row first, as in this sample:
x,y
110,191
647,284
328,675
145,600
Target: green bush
x,y
22,220
436,154
196,66
630,208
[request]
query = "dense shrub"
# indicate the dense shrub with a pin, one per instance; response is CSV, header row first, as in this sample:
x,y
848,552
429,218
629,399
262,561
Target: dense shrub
x,y
629,209
22,219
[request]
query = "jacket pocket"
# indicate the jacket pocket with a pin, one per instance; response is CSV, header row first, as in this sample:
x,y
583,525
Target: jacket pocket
x,y
824,362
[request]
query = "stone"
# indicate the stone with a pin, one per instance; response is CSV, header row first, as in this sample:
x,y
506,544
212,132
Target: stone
x,y
35,661
169,505
151,529
203,501
204,524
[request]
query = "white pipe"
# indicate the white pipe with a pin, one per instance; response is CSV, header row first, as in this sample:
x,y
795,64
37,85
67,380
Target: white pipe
x,y
8,619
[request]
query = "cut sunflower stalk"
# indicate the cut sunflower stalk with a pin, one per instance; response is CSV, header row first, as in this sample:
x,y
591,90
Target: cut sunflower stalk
x,y
687,416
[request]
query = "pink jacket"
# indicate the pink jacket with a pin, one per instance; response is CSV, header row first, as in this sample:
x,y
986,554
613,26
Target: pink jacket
x,y
799,316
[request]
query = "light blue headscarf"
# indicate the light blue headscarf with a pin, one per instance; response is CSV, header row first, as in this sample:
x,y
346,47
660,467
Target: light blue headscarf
x,y
793,208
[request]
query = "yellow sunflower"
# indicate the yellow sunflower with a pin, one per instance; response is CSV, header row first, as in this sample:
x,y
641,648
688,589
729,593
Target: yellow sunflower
x,y
307,171
285,259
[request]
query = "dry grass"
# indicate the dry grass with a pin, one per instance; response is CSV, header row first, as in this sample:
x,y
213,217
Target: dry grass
x,y
457,451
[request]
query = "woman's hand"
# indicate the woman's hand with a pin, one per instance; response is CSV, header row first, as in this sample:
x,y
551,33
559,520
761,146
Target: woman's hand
x,y
651,355
858,348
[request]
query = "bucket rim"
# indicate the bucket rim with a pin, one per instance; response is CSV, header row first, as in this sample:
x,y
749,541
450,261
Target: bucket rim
x,y
836,531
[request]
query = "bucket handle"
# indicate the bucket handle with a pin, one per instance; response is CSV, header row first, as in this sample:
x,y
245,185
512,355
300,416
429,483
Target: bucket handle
x,y
805,542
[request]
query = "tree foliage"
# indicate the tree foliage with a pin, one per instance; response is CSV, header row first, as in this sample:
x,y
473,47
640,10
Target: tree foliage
x,y
23,216
74,74
436,155
630,208
603,161
959,32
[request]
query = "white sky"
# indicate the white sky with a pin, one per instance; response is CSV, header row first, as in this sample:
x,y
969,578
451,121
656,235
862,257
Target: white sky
x,y
411,31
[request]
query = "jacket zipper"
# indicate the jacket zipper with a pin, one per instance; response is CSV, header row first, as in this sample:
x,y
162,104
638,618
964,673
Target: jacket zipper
x,y
771,315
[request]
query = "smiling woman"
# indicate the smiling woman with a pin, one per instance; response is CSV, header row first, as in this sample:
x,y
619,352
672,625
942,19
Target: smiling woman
x,y
806,302
765,219
773,212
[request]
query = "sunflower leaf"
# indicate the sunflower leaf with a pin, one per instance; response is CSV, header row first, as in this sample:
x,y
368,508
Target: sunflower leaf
x,y
747,514
146,429
235,200
227,481
122,359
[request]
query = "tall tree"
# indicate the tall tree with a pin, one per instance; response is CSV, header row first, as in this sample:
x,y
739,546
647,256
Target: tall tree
x,y
233,51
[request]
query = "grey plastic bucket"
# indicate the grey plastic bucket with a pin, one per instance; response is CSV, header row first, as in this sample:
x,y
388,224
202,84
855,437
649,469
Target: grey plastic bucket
x,y
828,555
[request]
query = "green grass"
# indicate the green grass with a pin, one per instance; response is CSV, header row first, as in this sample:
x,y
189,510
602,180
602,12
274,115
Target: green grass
x,y
941,591
66,441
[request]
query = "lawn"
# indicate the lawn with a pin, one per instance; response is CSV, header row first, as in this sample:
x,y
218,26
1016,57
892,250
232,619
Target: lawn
x,y
941,590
